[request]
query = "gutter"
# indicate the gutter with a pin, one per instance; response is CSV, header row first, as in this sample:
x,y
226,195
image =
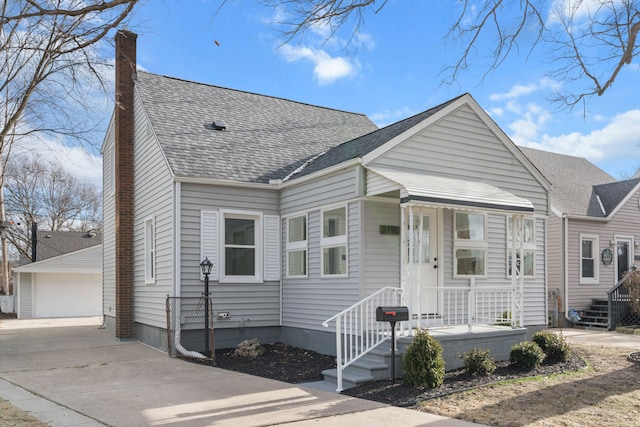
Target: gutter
x,y
566,270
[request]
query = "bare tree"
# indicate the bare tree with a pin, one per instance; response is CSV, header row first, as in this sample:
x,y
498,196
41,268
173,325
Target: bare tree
x,y
50,59
589,41
43,193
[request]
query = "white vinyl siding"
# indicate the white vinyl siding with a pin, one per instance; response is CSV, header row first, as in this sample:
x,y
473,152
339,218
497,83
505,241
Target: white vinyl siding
x,y
108,226
589,260
250,304
461,146
153,197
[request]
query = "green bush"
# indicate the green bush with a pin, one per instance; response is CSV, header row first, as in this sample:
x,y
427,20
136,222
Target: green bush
x,y
422,362
250,348
553,345
527,354
478,361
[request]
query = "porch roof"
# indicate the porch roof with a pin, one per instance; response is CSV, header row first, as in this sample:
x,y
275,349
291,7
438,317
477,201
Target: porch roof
x,y
453,192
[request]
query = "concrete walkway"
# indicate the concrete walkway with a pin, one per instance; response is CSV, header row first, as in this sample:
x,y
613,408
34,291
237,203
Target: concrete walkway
x,y
70,373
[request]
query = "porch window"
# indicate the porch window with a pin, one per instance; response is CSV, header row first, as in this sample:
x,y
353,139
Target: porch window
x,y
525,257
470,244
149,251
297,246
334,242
589,245
241,254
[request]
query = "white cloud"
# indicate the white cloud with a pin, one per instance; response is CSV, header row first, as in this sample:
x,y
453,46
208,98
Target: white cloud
x,y
619,139
519,91
386,117
75,160
327,69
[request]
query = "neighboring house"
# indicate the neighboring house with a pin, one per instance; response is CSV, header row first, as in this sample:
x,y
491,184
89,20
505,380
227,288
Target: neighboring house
x,y
305,211
66,279
594,233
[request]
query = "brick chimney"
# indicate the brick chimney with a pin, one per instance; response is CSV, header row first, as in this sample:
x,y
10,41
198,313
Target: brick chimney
x,y
124,126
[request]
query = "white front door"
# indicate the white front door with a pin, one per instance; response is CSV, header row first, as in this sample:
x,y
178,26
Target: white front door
x,y
421,260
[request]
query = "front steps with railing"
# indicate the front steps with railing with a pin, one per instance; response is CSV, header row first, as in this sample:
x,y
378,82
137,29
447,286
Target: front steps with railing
x,y
596,316
373,366
455,341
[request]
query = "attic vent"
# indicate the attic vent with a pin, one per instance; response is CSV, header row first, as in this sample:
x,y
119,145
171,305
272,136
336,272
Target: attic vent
x,y
216,125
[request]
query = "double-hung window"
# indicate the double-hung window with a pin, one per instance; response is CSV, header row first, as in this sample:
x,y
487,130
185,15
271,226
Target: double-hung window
x,y
297,246
241,255
149,251
470,244
333,241
526,256
589,273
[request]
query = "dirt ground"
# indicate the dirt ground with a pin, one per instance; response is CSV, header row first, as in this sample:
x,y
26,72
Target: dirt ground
x,y
605,394
10,416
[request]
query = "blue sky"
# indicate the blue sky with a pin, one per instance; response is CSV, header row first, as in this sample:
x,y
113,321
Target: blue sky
x,y
391,70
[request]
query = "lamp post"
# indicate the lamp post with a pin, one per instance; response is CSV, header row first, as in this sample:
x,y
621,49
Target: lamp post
x,y
206,266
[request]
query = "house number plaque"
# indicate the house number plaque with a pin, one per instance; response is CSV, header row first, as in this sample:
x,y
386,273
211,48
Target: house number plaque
x,y
390,230
607,256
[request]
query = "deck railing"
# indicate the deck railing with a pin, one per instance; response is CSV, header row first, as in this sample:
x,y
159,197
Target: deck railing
x,y
358,332
618,304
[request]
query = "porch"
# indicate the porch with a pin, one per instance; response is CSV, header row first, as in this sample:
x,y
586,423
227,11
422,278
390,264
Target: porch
x,y
473,317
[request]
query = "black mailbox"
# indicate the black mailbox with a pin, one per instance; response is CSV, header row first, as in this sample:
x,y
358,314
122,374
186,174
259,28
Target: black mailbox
x,y
392,314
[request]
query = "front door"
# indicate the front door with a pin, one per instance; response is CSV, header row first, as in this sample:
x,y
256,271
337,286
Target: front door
x,y
421,260
623,256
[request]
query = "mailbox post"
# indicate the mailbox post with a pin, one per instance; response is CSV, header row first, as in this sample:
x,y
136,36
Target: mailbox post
x,y
392,315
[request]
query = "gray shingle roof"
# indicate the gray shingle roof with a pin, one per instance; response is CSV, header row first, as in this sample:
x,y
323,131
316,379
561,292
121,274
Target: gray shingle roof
x,y
612,194
55,243
363,145
573,180
265,137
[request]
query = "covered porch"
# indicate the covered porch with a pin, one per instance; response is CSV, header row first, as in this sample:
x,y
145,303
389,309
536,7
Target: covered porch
x,y
450,280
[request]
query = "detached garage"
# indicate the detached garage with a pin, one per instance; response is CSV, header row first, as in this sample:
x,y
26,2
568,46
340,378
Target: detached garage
x,y
68,285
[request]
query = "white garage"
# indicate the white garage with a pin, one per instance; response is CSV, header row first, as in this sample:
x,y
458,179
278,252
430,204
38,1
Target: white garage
x,y
68,285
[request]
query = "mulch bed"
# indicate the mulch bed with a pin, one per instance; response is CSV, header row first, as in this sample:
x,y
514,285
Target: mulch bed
x,y
295,365
458,380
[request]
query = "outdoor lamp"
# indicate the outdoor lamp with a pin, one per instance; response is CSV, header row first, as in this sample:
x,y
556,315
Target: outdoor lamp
x,y
206,266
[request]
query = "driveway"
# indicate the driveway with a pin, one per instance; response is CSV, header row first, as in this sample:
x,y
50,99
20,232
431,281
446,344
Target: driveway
x,y
71,373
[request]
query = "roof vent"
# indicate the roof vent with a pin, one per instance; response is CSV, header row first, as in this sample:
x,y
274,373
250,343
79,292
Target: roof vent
x,y
216,125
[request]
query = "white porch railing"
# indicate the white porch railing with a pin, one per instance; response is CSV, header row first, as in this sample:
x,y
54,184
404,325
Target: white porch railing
x,y
358,332
468,305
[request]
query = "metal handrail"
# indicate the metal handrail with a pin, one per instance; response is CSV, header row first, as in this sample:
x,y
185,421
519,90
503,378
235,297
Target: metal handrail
x,y
358,332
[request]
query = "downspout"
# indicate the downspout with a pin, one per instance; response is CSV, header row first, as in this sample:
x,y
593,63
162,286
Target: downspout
x,y
565,269
177,197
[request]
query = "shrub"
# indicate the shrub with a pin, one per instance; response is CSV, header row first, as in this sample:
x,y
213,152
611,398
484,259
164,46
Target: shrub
x,y
250,348
422,362
478,361
553,345
632,284
527,354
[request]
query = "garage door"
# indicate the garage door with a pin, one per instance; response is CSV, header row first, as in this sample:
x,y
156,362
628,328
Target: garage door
x,y
67,295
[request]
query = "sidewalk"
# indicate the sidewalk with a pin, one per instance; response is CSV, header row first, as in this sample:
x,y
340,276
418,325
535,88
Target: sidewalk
x,y
68,374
